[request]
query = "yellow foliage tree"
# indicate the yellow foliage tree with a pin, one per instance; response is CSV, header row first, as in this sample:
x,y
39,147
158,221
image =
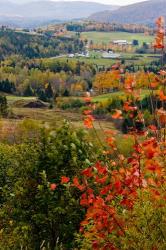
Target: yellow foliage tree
x,y
104,81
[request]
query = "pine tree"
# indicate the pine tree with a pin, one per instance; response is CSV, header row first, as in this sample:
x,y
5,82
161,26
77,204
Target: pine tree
x,y
3,106
29,91
49,91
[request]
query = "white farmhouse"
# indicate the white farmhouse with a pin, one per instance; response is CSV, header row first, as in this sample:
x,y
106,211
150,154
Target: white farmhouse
x,y
110,55
121,42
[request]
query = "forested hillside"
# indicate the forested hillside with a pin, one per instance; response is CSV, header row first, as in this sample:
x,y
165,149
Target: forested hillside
x,y
44,78
140,13
32,46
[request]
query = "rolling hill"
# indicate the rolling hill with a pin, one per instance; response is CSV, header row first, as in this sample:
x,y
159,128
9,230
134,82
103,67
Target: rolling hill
x,y
140,13
33,13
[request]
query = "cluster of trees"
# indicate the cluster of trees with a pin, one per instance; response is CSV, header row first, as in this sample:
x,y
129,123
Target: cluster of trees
x,y
7,86
44,77
116,79
113,47
107,27
49,78
154,67
143,48
32,46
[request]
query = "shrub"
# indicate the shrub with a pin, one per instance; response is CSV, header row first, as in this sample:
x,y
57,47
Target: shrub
x,y
71,104
32,213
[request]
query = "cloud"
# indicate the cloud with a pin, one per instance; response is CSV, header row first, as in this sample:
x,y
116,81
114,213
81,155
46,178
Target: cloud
x,y
118,2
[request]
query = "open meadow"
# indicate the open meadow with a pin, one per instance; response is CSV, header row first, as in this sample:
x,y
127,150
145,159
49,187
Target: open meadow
x,y
107,37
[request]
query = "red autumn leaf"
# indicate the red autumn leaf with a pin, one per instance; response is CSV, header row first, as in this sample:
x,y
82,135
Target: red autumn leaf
x,y
152,127
153,84
95,245
91,199
87,112
84,200
115,66
88,99
162,96
117,114
77,184
65,180
88,122
101,180
88,172
150,151
162,116
118,185
109,197
105,190
101,170
153,166
127,203
127,107
53,186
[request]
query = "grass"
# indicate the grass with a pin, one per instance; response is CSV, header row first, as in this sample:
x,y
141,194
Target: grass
x,y
95,61
11,98
105,97
106,37
100,62
54,118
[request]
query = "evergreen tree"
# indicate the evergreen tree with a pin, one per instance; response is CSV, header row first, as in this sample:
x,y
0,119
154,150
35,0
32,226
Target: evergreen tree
x,y
7,86
49,91
66,92
29,91
42,95
3,106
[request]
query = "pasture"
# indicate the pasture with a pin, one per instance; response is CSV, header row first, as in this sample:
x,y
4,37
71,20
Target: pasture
x,y
107,37
95,59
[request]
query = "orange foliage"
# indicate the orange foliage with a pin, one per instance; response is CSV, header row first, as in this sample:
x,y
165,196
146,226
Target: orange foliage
x,y
159,41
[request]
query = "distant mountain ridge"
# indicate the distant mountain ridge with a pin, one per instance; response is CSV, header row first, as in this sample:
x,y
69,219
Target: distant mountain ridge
x,y
43,11
140,13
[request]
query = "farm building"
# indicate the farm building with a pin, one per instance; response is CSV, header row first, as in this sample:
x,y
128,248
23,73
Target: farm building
x,y
121,42
110,55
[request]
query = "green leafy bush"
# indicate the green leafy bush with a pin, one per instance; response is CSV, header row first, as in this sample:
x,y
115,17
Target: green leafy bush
x,y
31,213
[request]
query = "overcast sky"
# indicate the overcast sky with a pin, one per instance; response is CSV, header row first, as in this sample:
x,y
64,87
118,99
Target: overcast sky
x,y
114,2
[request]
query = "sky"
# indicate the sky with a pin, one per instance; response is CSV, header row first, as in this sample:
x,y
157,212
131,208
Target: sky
x,y
117,2
114,2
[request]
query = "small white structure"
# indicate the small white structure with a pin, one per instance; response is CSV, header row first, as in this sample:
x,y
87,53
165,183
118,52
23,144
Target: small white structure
x,y
110,55
71,55
87,54
121,42
83,54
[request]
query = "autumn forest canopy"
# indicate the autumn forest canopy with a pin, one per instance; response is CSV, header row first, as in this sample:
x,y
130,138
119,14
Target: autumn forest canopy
x,y
82,131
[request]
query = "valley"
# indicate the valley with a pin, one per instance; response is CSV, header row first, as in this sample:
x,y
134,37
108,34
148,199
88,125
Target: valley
x,y
82,125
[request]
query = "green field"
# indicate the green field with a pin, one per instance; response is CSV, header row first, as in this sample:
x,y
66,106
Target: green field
x,y
106,37
11,98
97,60
105,97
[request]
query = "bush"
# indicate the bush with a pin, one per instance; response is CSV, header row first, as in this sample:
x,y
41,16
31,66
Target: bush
x,y
31,213
72,104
